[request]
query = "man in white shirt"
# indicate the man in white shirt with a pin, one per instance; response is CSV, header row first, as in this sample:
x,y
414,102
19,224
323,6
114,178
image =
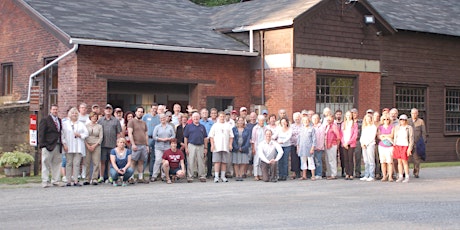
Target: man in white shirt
x,y
221,138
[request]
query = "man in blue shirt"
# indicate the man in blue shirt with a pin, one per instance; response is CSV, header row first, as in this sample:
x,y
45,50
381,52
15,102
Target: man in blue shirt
x,y
196,142
152,119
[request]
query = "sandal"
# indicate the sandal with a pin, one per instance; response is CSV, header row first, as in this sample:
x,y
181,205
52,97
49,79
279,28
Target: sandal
x,y
302,178
313,178
168,181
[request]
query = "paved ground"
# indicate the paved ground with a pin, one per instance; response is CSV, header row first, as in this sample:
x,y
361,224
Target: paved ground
x,y
430,202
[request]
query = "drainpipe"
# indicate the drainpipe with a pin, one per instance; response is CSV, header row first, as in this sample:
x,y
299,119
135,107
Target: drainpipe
x,y
32,76
262,65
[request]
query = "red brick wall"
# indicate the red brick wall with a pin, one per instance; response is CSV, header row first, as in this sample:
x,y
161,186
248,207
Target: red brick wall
x,y
227,75
25,43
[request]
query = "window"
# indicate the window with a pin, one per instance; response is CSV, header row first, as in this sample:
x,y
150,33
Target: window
x,y
408,97
452,117
335,93
220,103
51,79
7,79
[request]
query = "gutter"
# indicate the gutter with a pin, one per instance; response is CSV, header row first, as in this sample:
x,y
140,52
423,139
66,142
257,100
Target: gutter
x,y
132,45
32,76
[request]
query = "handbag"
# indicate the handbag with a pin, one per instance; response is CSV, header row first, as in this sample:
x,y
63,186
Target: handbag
x,y
387,143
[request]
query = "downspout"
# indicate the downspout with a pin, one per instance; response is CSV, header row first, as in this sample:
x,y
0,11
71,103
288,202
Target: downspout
x,y
262,65
32,76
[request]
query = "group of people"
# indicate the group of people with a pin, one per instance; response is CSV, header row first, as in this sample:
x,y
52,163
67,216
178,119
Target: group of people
x,y
112,146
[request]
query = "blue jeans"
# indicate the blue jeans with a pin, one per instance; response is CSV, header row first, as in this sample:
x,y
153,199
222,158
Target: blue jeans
x,y
318,162
283,163
152,157
129,172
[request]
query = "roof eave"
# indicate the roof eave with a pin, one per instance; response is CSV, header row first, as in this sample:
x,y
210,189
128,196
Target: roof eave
x,y
263,26
133,45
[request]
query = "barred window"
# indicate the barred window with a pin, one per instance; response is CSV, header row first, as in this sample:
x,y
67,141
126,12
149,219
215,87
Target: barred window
x,y
452,119
408,97
335,93
7,79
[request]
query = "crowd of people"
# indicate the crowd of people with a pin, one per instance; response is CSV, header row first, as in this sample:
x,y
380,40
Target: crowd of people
x,y
117,147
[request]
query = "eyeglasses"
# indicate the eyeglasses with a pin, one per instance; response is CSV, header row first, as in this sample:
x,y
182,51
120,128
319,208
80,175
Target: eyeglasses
x,y
386,119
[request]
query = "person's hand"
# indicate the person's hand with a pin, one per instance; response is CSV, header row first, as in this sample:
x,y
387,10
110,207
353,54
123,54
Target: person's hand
x,y
134,147
409,152
230,148
121,171
65,148
363,146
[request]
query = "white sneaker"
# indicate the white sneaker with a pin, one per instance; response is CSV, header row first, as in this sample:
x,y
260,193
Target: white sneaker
x,y
364,178
224,179
406,180
370,179
318,177
64,179
400,179
216,180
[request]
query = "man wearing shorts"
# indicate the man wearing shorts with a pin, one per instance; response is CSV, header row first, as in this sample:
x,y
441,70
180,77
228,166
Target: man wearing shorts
x,y
137,132
173,162
221,138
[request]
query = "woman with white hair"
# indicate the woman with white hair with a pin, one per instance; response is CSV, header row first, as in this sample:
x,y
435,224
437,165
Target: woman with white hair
x,y
73,137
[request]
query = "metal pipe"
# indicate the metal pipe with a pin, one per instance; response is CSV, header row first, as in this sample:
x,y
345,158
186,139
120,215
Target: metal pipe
x,y
32,76
262,65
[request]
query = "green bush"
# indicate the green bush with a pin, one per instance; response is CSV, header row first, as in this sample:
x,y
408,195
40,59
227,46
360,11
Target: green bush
x,y
15,159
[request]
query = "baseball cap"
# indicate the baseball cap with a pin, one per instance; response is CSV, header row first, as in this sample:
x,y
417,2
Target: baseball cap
x,y
95,106
264,111
403,117
354,110
108,106
227,112
304,112
234,111
370,111
243,108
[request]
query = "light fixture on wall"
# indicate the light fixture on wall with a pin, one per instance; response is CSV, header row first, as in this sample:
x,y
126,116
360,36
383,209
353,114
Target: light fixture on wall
x,y
369,19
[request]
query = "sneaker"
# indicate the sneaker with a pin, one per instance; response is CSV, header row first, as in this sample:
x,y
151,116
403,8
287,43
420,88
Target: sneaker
x,y
100,180
203,179
86,183
95,182
216,180
46,184
364,178
140,181
110,180
131,180
406,180
115,184
189,180
124,184
152,179
224,179
370,179
400,179
64,179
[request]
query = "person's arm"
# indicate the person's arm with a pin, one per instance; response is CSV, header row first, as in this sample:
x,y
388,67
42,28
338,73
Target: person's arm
x,y
113,162
313,138
411,140
260,151
186,145
83,131
130,135
101,135
279,150
424,134
128,164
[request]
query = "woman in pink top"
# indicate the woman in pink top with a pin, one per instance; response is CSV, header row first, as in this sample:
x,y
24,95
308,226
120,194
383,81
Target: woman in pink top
x,y
349,135
332,140
385,134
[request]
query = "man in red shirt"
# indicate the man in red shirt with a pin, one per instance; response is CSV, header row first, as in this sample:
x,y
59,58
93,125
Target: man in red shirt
x,y
173,162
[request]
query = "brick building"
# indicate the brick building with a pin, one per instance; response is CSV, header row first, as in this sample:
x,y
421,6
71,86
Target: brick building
x,y
292,54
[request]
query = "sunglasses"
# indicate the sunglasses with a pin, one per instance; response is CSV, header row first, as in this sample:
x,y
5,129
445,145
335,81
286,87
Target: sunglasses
x,y
386,119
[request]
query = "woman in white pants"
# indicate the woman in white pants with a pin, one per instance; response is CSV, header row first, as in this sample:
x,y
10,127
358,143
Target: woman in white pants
x,y
367,140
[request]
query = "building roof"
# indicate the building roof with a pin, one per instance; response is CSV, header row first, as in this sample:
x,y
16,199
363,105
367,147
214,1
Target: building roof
x,y
260,13
440,17
172,23
181,25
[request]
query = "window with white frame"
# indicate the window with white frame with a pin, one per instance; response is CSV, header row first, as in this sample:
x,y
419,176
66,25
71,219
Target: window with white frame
x,y
452,115
335,92
408,97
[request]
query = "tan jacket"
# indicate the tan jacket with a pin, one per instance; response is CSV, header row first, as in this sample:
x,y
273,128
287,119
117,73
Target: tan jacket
x,y
410,135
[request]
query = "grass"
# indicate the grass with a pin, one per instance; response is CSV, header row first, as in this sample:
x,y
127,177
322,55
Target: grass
x,y
19,180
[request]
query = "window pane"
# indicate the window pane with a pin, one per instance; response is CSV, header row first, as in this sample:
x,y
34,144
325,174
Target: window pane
x,y
335,93
452,119
7,79
407,98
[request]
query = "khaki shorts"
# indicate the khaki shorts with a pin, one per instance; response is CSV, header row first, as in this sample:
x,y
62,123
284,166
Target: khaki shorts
x,y
140,154
221,156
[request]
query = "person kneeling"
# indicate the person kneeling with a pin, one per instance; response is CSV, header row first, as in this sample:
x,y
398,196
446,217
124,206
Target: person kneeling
x,y
173,162
120,157
269,153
